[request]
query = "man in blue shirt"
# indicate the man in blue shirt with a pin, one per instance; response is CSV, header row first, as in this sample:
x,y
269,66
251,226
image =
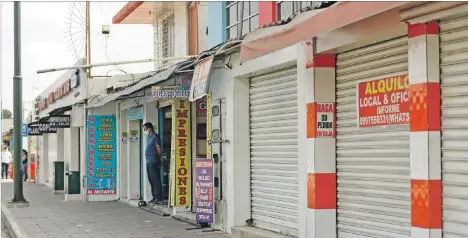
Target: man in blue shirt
x,y
153,163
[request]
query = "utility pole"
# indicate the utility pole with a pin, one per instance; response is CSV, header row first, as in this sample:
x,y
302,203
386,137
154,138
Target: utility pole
x,y
18,197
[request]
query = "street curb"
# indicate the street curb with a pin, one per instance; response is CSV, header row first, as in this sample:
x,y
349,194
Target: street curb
x,y
9,221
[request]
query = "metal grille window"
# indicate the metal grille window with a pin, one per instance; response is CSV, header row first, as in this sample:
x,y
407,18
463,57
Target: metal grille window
x,y
286,9
168,37
248,13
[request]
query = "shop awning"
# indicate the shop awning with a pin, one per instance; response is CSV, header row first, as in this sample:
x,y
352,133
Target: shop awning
x,y
147,82
308,25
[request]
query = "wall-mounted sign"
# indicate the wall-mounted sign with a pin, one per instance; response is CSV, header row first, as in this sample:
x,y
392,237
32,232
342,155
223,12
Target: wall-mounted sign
x,y
383,102
75,79
133,136
60,92
201,107
135,113
205,190
321,120
62,121
42,128
170,92
25,130
180,174
101,160
201,79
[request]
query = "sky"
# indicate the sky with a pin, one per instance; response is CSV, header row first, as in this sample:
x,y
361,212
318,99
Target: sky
x,y
44,44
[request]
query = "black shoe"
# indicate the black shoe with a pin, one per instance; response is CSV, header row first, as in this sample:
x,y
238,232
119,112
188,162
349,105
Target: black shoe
x,y
160,202
151,201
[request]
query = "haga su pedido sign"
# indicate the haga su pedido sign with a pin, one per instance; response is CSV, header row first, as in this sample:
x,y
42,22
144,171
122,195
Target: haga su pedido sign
x,y
383,102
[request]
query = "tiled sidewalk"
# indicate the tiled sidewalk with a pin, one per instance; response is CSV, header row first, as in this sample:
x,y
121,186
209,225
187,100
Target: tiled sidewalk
x,y
50,216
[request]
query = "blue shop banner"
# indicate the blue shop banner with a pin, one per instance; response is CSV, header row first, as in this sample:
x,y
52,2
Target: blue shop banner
x,y
101,153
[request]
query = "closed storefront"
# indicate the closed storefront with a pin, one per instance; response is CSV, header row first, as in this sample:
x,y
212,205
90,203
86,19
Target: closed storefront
x,y
274,151
454,97
373,162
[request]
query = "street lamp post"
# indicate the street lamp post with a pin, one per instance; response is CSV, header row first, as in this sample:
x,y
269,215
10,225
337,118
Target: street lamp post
x,y
17,110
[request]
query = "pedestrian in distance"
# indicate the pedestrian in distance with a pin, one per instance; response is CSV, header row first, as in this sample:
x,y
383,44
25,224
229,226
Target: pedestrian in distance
x,y
25,164
153,163
6,160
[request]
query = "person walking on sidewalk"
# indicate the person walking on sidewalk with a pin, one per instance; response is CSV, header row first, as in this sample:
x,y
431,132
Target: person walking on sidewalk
x,y
6,160
25,164
153,163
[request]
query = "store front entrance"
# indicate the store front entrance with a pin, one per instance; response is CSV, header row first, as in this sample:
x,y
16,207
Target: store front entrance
x,y
165,133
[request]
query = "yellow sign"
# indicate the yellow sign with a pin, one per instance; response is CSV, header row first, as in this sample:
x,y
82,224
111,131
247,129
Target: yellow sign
x,y
182,161
208,125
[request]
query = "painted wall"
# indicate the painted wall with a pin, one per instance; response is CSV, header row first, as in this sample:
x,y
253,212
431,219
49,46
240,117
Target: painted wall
x,y
216,23
51,157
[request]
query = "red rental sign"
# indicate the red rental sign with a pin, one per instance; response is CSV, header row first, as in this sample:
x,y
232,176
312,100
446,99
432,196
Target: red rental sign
x,y
383,102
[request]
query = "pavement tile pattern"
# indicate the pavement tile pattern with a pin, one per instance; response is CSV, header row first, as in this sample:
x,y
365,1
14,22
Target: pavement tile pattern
x,y
49,215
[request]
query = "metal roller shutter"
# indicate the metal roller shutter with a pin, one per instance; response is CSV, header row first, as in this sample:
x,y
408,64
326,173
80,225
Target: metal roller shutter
x,y
274,151
373,164
454,95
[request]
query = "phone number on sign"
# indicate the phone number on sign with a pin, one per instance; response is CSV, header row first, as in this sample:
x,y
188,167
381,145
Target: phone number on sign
x,y
386,119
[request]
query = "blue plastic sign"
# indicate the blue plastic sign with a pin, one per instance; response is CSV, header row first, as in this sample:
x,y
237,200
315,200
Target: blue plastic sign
x,y
135,113
25,130
101,163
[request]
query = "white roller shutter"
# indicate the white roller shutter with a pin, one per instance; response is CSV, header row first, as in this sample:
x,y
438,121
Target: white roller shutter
x,y
274,151
373,164
454,95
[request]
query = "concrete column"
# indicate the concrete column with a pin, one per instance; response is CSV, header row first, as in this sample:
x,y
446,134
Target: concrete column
x,y
317,150
425,148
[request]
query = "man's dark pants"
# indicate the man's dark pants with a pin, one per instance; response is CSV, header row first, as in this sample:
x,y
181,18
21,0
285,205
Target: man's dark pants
x,y
25,171
154,177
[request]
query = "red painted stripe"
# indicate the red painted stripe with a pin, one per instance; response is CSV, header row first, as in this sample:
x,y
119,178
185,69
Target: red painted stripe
x,y
311,121
266,13
321,191
125,11
425,107
323,61
426,204
430,28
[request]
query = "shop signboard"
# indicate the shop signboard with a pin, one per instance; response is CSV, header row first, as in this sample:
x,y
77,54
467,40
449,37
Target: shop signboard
x,y
383,102
205,190
321,120
170,92
62,121
208,125
41,127
101,163
180,170
135,113
201,107
201,79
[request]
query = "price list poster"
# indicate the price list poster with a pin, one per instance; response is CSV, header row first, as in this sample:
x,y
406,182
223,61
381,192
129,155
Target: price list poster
x,y
101,155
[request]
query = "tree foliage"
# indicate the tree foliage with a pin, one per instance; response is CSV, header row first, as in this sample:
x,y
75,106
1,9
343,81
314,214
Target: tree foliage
x,y
6,114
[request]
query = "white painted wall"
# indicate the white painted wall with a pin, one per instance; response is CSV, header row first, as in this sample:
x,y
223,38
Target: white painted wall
x,y
52,156
133,162
122,157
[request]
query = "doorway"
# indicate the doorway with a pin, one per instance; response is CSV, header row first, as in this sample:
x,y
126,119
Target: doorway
x,y
165,133
142,163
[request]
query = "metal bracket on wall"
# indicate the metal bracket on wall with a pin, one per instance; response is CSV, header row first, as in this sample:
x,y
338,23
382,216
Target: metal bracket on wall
x,y
218,141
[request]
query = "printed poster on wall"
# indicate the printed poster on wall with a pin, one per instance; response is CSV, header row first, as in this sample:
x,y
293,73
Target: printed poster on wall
x,y
205,190
208,125
101,166
180,168
383,102
201,79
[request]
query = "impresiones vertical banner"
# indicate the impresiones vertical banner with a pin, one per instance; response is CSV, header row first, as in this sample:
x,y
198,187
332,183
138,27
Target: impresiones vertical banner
x,y
181,188
101,166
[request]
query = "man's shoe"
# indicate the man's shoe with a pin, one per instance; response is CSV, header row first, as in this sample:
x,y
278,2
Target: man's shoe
x,y
160,202
152,201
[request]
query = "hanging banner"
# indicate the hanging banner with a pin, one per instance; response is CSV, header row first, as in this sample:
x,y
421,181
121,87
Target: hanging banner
x,y
34,131
208,125
201,79
101,163
201,107
181,141
170,92
205,191
62,121
383,102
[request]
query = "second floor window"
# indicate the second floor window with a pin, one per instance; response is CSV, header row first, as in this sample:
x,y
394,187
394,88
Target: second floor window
x,y
285,9
249,14
168,37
